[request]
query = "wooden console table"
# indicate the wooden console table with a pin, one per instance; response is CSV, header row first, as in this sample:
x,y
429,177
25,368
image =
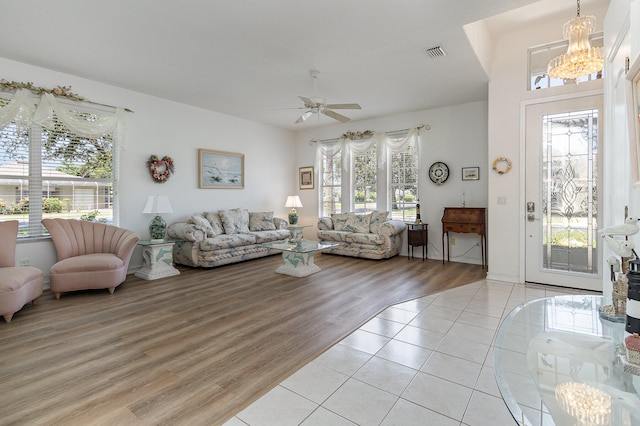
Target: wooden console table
x,y
465,220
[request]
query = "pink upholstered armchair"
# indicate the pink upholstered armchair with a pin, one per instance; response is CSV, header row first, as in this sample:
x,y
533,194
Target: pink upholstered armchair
x,y
19,285
90,255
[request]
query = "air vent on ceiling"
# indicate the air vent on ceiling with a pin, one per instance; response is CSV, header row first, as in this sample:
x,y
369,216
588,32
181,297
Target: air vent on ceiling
x,y
435,52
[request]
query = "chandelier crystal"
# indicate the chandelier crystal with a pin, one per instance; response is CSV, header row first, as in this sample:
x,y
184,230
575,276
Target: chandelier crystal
x,y
580,59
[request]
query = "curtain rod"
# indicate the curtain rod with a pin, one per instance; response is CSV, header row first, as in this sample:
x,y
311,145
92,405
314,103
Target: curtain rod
x,y
109,106
63,92
422,126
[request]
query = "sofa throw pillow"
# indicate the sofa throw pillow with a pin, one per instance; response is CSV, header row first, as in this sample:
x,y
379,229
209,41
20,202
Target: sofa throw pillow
x,y
235,221
261,221
216,224
325,224
377,219
202,223
358,223
339,219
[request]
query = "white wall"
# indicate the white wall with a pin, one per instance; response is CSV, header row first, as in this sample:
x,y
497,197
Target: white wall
x,y
162,127
622,41
507,93
457,136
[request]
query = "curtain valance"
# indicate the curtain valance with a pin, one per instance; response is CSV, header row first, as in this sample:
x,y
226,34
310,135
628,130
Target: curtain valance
x,y
22,110
387,144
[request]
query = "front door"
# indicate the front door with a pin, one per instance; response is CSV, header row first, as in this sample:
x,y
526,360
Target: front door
x,y
562,201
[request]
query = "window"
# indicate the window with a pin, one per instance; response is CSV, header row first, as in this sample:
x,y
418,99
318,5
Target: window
x,y
53,171
539,58
382,175
403,184
364,169
331,183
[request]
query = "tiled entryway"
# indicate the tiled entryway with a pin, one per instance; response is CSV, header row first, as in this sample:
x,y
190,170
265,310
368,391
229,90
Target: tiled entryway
x,y
424,362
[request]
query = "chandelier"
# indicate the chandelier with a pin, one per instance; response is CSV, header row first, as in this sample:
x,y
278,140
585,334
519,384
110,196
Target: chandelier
x,y
580,59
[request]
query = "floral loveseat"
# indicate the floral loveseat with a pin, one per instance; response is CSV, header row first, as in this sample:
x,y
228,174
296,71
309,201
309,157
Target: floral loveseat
x,y
225,236
372,235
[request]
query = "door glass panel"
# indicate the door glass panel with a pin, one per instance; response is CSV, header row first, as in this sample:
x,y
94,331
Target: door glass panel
x,y
569,194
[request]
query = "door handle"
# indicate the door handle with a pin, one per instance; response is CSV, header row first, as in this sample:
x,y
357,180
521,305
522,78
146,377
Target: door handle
x,y
531,217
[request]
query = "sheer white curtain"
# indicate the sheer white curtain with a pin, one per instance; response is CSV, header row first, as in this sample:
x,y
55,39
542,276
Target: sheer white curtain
x,y
20,110
102,125
391,145
363,145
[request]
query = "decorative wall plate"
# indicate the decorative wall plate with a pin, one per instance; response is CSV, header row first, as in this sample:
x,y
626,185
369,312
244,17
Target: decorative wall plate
x,y
439,172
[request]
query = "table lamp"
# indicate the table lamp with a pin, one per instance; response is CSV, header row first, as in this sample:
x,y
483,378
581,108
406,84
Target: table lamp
x,y
157,204
293,201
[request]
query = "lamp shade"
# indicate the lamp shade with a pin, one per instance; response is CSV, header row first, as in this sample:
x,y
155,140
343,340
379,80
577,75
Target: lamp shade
x,y
157,204
293,201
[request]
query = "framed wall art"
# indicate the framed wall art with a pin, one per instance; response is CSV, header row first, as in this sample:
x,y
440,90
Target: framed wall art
x,y
633,106
306,177
220,170
471,173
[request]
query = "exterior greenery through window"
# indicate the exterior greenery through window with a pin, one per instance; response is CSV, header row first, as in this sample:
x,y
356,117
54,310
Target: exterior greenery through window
x,y
369,185
55,173
331,183
364,177
403,187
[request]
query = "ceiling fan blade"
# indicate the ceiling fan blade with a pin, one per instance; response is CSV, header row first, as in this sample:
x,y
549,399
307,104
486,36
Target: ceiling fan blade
x,y
335,115
344,106
307,101
303,117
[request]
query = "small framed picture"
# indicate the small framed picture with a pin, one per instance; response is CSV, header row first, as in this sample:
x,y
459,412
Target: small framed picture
x,y
471,173
306,177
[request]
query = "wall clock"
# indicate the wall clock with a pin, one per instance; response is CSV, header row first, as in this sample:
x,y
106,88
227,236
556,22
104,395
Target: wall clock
x,y
438,172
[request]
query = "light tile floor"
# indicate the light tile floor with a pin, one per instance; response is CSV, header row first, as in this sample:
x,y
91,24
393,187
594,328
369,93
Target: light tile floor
x,y
423,362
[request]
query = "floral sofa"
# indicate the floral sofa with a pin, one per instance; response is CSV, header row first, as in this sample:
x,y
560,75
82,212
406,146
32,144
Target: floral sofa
x,y
225,236
372,235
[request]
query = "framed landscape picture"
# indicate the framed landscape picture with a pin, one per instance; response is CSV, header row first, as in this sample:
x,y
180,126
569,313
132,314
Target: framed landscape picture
x,y
219,169
471,173
306,177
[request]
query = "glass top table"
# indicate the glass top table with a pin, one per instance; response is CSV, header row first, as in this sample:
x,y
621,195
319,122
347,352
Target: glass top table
x,y
557,362
298,257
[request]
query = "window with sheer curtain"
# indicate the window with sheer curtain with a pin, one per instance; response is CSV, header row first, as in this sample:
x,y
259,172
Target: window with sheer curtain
x,y
57,159
403,181
380,173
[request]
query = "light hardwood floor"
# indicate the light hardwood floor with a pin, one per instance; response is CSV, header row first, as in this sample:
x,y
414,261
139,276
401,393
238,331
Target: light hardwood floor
x,y
194,348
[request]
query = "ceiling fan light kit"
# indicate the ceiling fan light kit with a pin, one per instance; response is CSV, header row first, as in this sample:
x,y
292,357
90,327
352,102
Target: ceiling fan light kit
x,y
317,105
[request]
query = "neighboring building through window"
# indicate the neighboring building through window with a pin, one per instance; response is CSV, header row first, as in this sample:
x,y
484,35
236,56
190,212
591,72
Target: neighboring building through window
x,y
55,172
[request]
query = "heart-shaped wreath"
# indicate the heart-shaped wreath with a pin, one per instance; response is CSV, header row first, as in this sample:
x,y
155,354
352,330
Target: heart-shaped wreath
x,y
160,169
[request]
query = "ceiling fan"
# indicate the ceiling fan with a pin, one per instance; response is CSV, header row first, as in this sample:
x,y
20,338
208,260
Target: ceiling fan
x,y
317,105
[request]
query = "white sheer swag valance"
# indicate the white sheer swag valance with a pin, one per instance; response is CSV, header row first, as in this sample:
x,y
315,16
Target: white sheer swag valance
x,y
331,148
22,110
19,109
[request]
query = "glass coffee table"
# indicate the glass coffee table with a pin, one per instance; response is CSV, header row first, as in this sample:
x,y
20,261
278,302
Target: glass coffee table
x,y
297,257
557,362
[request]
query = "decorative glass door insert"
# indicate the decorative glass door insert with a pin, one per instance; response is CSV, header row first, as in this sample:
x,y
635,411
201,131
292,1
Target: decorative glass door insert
x,y
569,191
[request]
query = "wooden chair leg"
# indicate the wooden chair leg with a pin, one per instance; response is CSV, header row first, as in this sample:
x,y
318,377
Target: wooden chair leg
x,y
112,289
57,295
7,317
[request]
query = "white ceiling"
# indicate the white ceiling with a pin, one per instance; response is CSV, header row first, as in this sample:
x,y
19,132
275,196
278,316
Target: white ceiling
x,y
251,58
